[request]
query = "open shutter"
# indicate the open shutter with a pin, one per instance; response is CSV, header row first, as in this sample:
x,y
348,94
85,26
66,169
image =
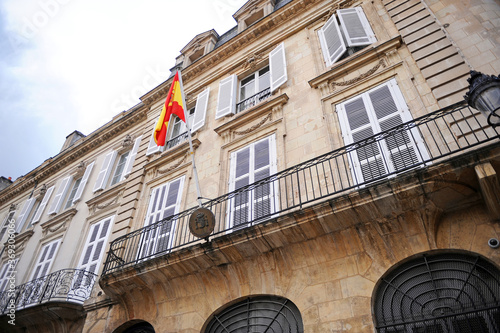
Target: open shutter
x,y
95,245
152,147
226,102
9,266
103,176
6,222
131,158
277,67
25,212
240,177
41,208
200,110
331,40
60,195
356,27
83,182
45,260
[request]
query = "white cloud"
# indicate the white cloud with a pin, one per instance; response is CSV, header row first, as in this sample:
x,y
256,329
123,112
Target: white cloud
x,y
74,64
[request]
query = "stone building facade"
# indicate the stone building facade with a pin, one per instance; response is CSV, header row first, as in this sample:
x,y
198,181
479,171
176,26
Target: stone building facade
x,y
351,187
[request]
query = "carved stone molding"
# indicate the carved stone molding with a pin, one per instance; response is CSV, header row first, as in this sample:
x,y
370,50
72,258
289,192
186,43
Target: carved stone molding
x,y
58,224
170,159
267,111
106,200
22,239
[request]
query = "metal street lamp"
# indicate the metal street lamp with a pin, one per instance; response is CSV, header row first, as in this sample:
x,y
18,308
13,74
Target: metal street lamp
x,y
484,95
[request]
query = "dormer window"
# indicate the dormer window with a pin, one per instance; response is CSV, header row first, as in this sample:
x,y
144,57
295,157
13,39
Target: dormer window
x,y
252,12
198,47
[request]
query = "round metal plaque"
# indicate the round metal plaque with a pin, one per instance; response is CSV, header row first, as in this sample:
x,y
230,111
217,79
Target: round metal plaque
x,y
202,222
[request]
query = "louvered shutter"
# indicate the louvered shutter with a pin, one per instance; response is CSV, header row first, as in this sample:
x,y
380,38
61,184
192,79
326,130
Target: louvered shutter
x,y
60,195
9,266
131,158
95,245
401,147
331,40
5,224
41,208
164,202
83,182
200,110
25,212
152,147
103,176
226,102
373,112
277,67
248,165
356,27
45,260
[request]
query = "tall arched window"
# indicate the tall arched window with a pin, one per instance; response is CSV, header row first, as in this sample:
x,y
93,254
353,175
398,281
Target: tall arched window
x,y
439,293
264,314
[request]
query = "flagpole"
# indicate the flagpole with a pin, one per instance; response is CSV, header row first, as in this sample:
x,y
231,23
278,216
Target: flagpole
x,y
191,150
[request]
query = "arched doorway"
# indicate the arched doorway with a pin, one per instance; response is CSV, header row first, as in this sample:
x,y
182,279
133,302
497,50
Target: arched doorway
x,y
453,292
270,314
135,326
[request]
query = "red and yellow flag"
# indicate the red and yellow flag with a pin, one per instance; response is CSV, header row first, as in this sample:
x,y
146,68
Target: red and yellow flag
x,y
173,105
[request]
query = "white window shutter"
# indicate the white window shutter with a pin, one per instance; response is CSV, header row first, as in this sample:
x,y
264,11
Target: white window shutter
x,y
6,223
44,202
95,245
356,27
226,102
131,158
60,195
200,110
152,147
8,266
103,176
45,259
83,182
25,212
277,67
331,40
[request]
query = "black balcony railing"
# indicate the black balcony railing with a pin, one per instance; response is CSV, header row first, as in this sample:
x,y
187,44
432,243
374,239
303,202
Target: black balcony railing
x,y
253,100
66,285
429,139
177,140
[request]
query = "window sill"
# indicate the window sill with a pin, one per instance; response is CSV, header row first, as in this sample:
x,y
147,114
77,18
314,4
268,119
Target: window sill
x,y
356,61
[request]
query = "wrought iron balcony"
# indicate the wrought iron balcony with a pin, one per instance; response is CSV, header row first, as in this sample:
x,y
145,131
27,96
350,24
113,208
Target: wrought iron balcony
x,y
177,140
253,100
66,285
430,139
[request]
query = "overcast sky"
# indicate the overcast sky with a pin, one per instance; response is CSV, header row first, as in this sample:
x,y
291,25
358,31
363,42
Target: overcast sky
x,y
70,65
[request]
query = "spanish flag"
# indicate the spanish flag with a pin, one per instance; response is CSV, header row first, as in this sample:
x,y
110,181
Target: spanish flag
x,y
173,105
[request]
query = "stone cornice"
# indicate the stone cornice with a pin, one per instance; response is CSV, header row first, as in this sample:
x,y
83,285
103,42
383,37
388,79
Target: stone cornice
x,y
257,31
58,162
57,224
358,59
106,200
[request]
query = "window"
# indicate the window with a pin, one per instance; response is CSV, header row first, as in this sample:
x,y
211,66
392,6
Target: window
x,y
352,33
45,259
95,245
120,170
257,314
372,112
24,214
444,292
6,222
7,270
253,88
196,118
72,193
248,165
163,203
